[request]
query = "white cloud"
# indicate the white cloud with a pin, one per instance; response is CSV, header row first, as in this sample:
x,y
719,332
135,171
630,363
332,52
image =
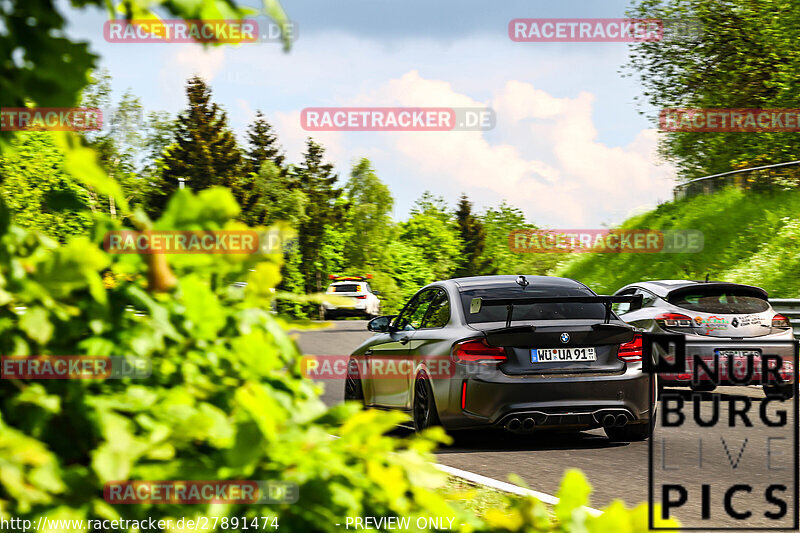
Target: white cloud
x,y
545,157
186,60
293,139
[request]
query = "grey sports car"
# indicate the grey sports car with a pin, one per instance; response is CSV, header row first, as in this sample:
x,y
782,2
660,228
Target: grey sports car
x,y
733,321
516,352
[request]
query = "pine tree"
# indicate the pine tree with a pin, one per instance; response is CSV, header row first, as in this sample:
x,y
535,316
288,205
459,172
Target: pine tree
x,y
204,151
473,234
262,145
316,180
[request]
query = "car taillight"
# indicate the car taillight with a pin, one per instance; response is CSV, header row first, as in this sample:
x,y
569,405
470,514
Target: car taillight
x,y
673,320
631,352
477,351
780,321
363,297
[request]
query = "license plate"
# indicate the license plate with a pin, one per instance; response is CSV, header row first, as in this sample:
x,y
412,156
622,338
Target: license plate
x,y
554,355
723,353
739,357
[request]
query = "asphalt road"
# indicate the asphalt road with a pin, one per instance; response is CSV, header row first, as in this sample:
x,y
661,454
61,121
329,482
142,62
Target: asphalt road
x,y
689,455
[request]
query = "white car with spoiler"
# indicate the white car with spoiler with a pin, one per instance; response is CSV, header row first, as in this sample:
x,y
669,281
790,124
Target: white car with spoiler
x,y
356,297
731,323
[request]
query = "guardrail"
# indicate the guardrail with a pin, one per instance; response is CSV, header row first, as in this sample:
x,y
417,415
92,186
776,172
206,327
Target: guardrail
x,y
780,175
790,308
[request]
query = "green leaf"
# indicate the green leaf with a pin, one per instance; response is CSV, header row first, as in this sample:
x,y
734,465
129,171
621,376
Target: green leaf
x,y
36,324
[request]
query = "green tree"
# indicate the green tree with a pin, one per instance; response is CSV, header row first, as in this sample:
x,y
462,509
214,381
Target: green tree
x,y
272,198
431,230
370,225
499,222
262,145
260,191
119,141
159,130
316,179
40,193
473,235
742,56
204,151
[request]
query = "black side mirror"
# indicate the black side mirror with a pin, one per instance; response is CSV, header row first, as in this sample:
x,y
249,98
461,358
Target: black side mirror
x,y
376,293
380,324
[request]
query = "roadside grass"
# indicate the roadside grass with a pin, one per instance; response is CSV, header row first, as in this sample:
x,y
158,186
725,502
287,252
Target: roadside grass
x,y
749,237
476,499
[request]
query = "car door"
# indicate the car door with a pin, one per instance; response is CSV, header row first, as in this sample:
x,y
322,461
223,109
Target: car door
x,y
430,345
387,371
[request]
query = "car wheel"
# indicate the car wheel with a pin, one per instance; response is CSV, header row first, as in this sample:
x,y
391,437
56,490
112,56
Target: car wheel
x,y
424,409
329,315
780,391
631,433
353,390
703,387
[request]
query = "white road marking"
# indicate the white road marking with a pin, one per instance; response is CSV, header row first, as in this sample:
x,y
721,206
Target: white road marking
x,y
502,486
506,487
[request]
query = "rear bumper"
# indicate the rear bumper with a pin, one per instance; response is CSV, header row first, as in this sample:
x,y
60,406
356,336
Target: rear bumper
x,y
359,306
740,375
571,401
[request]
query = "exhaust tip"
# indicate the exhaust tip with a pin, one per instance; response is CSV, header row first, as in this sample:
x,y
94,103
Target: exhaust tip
x,y
528,424
609,420
514,424
621,420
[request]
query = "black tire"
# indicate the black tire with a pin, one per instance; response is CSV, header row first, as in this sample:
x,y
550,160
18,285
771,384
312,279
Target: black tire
x,y
424,406
353,389
631,433
703,387
785,392
329,315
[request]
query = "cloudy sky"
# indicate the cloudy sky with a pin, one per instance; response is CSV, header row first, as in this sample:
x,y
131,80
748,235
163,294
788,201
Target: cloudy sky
x,y
569,147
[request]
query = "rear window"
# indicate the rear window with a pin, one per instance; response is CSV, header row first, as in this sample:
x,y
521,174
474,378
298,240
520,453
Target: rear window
x,y
350,287
549,311
719,301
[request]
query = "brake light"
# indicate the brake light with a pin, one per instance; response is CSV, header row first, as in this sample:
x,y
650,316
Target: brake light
x,y
477,351
362,297
631,352
780,321
673,320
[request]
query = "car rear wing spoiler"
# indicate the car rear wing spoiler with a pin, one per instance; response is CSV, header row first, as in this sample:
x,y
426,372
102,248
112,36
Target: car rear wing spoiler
x,y
607,301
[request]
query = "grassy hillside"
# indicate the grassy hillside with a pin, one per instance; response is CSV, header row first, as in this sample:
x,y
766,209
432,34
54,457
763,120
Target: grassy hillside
x,y
750,238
